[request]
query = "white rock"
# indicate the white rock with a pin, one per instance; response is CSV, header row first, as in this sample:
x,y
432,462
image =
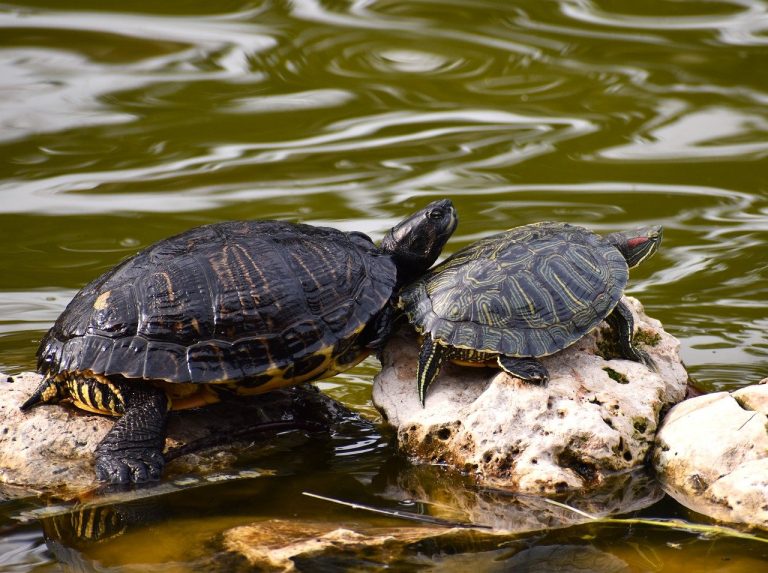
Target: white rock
x,y
712,455
51,447
569,435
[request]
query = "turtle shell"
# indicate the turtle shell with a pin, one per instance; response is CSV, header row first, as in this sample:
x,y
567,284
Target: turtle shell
x,y
527,292
226,302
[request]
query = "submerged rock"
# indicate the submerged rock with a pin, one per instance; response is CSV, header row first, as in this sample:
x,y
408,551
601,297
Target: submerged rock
x,y
712,455
461,523
51,447
274,544
598,415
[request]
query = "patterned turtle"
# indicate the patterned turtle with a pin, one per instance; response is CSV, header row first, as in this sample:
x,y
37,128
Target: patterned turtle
x,y
528,292
238,307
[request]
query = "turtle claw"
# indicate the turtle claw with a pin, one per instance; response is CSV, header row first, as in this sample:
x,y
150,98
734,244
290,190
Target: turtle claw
x,y
528,369
644,358
129,466
641,356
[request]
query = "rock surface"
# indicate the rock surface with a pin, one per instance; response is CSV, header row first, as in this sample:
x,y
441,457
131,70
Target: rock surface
x,y
51,448
712,455
598,415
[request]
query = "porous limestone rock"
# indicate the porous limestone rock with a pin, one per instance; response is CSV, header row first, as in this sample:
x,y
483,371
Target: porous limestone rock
x,y
598,414
712,455
51,447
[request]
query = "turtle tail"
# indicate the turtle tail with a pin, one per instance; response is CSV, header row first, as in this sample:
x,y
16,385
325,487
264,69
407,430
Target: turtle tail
x,y
49,391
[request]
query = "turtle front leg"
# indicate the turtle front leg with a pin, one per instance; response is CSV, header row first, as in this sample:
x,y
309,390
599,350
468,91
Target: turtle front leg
x,y
132,451
623,324
528,369
431,360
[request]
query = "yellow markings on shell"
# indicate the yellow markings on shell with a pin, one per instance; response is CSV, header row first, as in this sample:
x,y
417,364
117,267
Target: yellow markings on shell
x,y
476,364
526,298
105,397
277,379
186,396
336,367
169,286
567,291
587,262
473,358
101,302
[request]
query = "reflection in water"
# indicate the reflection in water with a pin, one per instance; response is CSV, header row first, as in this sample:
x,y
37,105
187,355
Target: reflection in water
x,y
699,136
315,99
80,534
736,21
447,495
83,527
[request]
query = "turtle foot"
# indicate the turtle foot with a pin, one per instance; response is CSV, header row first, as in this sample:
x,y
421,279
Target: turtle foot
x,y
130,466
528,369
644,358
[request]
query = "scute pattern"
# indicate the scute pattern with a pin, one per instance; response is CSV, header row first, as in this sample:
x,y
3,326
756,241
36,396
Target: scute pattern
x,y
224,302
529,291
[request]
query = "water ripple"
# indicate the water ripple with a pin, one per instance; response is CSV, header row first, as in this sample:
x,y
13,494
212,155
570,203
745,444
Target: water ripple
x,y
54,90
214,31
486,138
376,59
360,16
745,23
699,135
312,99
31,310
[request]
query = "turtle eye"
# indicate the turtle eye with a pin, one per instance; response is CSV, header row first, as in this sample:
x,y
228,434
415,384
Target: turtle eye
x,y
435,214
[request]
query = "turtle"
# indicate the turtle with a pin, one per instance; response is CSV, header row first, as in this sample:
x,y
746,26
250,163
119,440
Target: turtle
x,y
516,296
232,308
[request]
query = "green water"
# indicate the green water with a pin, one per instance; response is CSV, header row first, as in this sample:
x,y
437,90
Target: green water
x,y
121,124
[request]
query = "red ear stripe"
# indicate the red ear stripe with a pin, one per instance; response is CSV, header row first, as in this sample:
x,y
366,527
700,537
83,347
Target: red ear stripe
x,y
632,243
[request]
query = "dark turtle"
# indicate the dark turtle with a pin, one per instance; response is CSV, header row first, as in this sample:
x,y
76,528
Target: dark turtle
x,y
525,293
240,307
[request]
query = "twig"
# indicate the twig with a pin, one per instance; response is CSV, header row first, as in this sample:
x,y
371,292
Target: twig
x,y
747,422
669,523
400,514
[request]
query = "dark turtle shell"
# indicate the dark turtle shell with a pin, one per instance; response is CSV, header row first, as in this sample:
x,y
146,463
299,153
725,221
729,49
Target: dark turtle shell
x,y
527,292
225,302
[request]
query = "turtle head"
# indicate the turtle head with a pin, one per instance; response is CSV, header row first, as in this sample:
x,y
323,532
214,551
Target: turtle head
x,y
416,242
638,244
